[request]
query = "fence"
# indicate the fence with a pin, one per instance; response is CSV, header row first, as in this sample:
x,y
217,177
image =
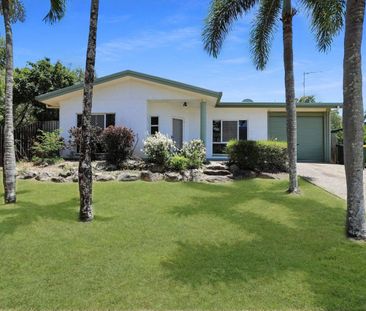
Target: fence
x,y
24,137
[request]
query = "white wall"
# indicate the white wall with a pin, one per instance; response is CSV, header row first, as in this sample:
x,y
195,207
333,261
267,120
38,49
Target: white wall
x,y
128,99
166,111
256,117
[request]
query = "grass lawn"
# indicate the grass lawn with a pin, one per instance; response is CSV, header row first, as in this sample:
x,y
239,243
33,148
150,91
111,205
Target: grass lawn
x,y
164,246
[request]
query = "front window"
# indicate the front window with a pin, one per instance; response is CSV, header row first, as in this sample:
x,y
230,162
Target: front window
x,y
223,131
102,120
154,125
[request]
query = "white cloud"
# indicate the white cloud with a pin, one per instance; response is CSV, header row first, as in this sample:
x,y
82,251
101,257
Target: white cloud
x,y
186,37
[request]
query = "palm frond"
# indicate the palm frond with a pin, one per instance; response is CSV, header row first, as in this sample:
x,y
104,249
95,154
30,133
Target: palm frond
x,y
56,12
261,35
16,10
222,14
327,17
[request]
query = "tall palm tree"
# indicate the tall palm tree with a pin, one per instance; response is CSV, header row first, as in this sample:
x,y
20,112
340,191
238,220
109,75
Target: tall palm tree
x,y
13,11
326,21
353,119
85,168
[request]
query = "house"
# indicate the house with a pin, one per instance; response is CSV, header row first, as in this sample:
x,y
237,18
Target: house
x,y
148,104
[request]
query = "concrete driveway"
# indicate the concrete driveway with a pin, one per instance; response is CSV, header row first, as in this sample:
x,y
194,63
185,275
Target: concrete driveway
x,y
330,177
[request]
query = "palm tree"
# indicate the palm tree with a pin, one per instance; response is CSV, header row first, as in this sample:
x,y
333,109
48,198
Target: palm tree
x,y
326,21
13,11
353,119
85,168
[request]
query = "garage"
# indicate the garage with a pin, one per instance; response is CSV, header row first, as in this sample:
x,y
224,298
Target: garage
x,y
310,134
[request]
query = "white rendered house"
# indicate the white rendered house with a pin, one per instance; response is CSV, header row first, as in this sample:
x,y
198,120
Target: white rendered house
x,y
148,104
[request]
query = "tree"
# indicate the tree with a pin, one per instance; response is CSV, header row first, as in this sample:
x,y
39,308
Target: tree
x,y
85,168
13,11
36,79
326,21
353,119
306,99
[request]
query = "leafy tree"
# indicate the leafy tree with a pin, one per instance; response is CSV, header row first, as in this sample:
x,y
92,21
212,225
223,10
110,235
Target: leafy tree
x,y
353,119
335,120
13,11
306,99
326,21
85,168
36,79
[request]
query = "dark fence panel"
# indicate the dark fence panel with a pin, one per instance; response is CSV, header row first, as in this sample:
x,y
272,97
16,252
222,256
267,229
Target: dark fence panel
x,y
24,137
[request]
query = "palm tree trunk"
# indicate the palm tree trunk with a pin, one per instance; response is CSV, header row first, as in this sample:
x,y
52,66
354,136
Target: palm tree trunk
x,y
288,13
9,148
353,119
85,167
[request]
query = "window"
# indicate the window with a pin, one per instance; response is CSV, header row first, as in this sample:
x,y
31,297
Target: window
x,y
101,120
223,131
154,125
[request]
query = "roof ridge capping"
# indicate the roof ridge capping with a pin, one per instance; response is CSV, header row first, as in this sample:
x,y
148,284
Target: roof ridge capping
x,y
135,74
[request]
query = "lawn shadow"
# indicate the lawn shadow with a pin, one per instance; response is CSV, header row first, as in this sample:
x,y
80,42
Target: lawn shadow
x,y
25,212
314,245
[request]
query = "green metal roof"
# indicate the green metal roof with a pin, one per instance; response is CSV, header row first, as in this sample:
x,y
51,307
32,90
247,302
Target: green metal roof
x,y
134,74
275,105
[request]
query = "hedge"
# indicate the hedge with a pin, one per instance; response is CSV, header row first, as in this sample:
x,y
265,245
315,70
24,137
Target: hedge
x,y
263,156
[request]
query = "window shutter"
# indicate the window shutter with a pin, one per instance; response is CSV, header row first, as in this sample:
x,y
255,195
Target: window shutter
x,y
110,119
78,122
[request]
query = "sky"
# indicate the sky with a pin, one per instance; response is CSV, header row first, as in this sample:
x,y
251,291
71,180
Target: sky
x,y
163,38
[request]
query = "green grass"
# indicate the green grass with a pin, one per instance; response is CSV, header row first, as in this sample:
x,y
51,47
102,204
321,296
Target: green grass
x,y
164,246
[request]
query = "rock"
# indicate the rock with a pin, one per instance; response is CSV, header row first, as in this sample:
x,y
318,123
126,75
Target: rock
x,y
129,176
216,172
58,179
104,177
75,178
27,175
111,167
133,164
149,176
194,175
216,179
155,168
234,168
216,166
172,176
99,165
44,176
66,174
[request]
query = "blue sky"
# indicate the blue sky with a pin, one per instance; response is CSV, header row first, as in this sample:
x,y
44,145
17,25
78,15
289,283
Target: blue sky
x,y
163,38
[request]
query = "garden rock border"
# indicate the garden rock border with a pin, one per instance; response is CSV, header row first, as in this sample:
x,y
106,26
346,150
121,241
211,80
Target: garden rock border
x,y
214,172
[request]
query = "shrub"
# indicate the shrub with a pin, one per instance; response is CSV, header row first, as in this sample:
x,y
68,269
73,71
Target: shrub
x,y
118,142
47,147
195,152
178,163
159,148
264,156
95,140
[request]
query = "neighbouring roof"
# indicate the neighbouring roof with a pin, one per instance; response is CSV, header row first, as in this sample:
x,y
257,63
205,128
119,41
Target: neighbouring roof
x,y
134,74
275,105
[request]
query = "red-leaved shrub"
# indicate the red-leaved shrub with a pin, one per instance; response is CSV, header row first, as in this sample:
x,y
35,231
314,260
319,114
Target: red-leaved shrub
x,y
118,142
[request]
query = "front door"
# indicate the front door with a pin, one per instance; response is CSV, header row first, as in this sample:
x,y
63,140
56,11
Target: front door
x,y
178,132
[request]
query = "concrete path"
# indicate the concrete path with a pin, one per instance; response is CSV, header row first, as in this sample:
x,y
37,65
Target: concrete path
x,y
330,177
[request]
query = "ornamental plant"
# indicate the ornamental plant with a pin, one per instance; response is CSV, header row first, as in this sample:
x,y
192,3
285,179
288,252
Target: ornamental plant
x,y
178,163
263,156
159,148
95,140
47,147
195,152
118,142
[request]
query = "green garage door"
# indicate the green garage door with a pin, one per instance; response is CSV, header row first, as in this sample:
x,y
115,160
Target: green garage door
x,y
310,135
